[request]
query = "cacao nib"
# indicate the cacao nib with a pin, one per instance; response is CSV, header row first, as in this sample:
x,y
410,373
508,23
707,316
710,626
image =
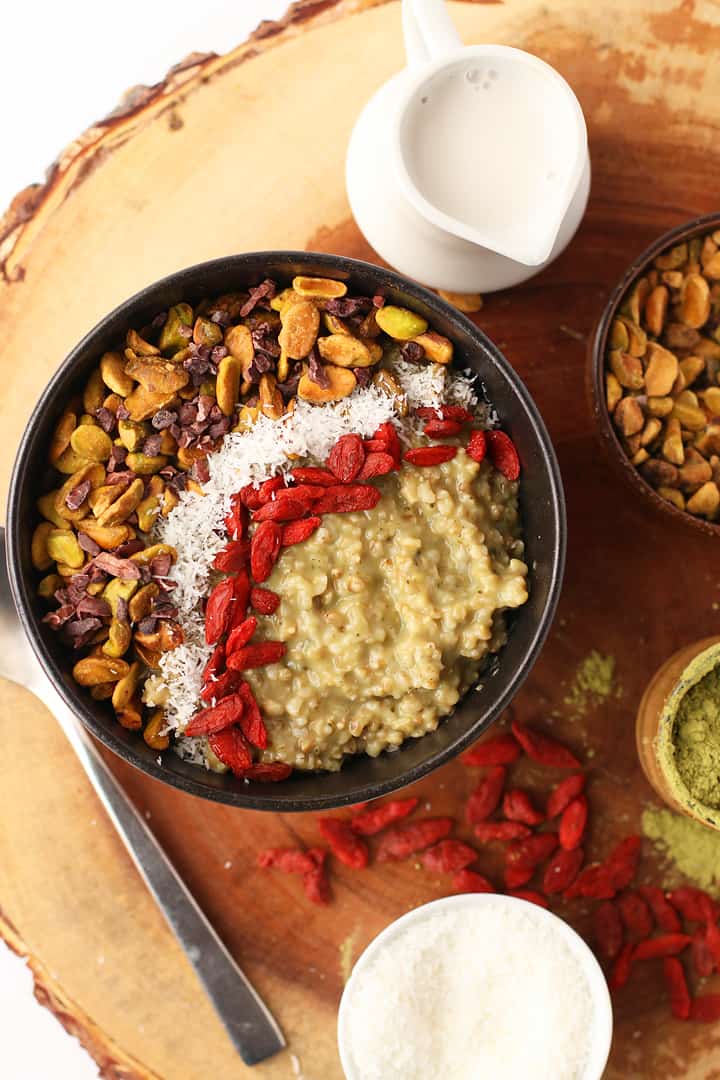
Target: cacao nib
x,y
410,350
348,305
75,498
164,610
159,320
160,565
151,446
58,618
122,412
117,567
163,418
130,547
105,419
218,353
316,371
117,457
265,291
187,414
88,544
288,389
95,606
219,428
265,341
363,376
79,632
122,613
185,439
378,300
147,625
200,470
222,318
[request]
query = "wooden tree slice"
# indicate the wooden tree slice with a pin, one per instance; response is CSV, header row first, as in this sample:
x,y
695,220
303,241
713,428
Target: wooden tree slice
x,y
246,152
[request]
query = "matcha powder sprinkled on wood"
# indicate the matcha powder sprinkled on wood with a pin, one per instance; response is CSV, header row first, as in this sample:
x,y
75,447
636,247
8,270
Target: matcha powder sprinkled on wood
x,y
693,849
594,682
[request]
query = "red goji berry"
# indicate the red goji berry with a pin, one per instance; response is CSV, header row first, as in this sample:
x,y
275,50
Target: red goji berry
x,y
664,945
297,531
430,455
312,474
217,610
477,446
216,717
517,806
622,967
705,1008
287,860
635,914
544,749
608,929
266,771
241,635
499,750
404,840
344,843
448,856
468,881
346,458
562,870
531,896
564,793
501,830
517,876
593,883
573,822
254,497
220,687
693,904
664,913
348,499
701,954
241,593
712,937
316,886
486,796
251,722
387,436
680,1004
264,549
503,454
377,463
445,412
621,863
214,665
254,656
427,412
287,509
442,429
530,852
372,821
233,557
264,601
306,492
232,748
236,520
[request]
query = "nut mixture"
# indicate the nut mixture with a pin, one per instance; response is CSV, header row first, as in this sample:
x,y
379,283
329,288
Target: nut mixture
x,y
661,380
137,439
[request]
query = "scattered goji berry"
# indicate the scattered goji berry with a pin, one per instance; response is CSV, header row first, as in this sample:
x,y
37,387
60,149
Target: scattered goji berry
x,y
705,1008
445,412
264,601
430,455
608,929
499,750
564,793
232,748
241,594
635,914
377,463
712,937
665,914
692,903
573,822
477,446
233,557
622,967
264,549
531,896
486,796
307,492
442,429
593,883
544,749
344,843
664,945
517,876
503,454
312,474
241,635
346,458
287,509
297,531
680,1004
287,860
448,856
266,771
387,436
403,840
348,499
254,497
487,831
214,665
530,852
372,821
217,610
621,864
236,520
702,958
251,722
221,687
216,717
562,870
469,882
316,886
254,656
517,806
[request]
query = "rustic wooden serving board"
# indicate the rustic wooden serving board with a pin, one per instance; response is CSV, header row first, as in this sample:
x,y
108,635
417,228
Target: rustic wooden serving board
x,y
246,152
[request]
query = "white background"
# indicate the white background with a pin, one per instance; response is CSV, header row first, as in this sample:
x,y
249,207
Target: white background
x,y
64,65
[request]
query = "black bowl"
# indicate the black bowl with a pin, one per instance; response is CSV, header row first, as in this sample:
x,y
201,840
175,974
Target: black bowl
x,y
542,507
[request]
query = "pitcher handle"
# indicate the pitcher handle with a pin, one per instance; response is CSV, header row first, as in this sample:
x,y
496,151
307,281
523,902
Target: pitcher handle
x,y
428,30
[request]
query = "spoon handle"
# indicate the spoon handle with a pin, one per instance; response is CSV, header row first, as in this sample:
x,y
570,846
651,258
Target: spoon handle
x,y
428,30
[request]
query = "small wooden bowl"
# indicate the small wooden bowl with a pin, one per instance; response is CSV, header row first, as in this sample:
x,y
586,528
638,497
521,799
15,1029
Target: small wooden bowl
x,y
595,372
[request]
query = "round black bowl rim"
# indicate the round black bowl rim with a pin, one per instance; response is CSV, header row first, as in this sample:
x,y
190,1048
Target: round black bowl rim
x,y
258,796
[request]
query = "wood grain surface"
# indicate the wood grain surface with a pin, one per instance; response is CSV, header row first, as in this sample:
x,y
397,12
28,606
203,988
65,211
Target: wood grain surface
x,y
246,152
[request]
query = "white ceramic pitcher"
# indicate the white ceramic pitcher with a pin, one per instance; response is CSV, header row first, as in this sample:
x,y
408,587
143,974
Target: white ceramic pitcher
x,y
469,170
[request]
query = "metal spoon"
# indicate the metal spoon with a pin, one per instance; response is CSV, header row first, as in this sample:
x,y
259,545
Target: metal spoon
x,y
249,1023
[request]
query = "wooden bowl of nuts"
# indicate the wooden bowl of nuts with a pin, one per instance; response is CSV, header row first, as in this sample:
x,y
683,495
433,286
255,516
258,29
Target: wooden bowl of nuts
x,y
654,374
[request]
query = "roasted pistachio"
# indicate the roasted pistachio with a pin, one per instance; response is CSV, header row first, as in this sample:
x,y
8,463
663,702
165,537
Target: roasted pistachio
x,y
112,369
94,393
228,384
345,351
119,638
39,554
206,332
341,382
400,323
174,335
61,435
145,465
152,733
467,302
93,670
319,288
116,589
62,546
300,324
438,349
